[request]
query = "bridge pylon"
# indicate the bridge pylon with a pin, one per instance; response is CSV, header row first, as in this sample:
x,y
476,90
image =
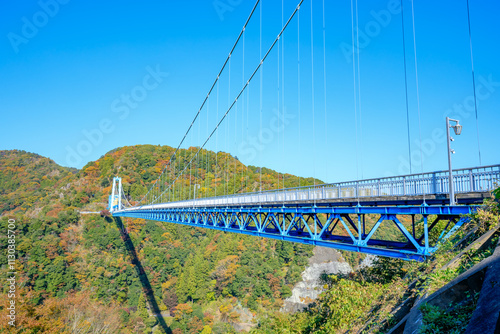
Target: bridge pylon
x,y
115,200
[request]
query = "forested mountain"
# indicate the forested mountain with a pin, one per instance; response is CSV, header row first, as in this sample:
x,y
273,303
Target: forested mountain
x,y
91,273
203,278
25,178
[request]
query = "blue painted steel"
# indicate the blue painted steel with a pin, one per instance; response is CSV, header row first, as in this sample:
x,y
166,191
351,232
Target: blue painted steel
x,y
289,214
302,224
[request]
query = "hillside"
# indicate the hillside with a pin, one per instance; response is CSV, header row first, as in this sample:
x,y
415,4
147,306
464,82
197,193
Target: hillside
x,y
201,277
88,273
447,293
27,178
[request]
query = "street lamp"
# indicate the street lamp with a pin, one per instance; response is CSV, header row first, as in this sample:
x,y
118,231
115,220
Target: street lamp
x,y
458,130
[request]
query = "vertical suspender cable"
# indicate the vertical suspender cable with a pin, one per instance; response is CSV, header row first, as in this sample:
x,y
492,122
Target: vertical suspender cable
x,y
243,109
312,102
146,196
298,84
207,156
179,182
260,93
359,96
260,102
248,111
406,85
473,83
354,91
176,168
190,169
173,181
324,88
197,174
249,80
234,147
227,130
283,99
418,96
181,190
217,169
183,183
279,101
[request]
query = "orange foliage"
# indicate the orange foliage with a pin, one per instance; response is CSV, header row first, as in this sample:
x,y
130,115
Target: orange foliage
x,y
181,310
240,247
92,171
134,225
55,210
74,313
210,249
226,268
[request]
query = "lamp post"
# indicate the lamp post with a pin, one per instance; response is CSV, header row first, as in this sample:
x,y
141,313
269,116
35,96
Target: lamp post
x,y
458,130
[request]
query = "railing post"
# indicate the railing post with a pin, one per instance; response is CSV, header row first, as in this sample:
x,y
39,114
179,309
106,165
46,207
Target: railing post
x,y
471,180
404,185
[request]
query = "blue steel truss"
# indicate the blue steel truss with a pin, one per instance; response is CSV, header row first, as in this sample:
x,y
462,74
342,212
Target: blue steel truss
x,y
335,227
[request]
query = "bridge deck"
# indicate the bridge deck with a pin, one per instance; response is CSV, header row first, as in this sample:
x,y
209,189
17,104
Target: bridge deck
x,y
441,199
335,215
471,186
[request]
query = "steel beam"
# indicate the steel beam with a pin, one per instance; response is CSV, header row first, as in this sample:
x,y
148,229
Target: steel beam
x,y
310,225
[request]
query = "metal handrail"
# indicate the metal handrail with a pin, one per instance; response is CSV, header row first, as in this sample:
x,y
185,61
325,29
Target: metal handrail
x,y
466,180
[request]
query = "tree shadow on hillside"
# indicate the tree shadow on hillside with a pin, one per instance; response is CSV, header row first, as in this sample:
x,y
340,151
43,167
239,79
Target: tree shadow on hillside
x,y
146,285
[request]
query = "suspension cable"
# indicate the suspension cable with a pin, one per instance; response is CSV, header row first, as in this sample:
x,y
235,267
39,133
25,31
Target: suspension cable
x,y
260,93
248,81
312,103
210,90
283,99
359,96
226,188
279,101
406,86
473,82
243,109
418,96
298,82
207,156
354,91
324,86
216,143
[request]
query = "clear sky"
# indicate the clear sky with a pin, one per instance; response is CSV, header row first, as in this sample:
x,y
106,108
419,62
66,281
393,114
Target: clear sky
x,y
80,78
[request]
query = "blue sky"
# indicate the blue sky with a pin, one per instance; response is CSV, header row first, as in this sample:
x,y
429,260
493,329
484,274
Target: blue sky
x,y
82,78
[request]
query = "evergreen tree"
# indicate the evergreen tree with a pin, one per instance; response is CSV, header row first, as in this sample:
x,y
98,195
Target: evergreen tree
x,y
141,308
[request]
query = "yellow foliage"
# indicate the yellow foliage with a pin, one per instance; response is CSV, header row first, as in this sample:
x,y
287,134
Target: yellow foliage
x,y
171,282
206,330
99,271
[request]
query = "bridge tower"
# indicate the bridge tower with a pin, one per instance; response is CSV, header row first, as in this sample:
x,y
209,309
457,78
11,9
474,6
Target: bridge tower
x,y
115,200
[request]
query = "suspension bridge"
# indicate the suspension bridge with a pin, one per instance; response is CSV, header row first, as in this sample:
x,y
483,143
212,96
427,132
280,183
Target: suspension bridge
x,y
423,208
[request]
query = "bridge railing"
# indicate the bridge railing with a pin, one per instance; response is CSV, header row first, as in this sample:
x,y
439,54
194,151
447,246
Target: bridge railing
x,y
467,180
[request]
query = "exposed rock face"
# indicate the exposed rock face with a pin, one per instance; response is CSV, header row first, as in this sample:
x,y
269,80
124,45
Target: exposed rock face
x,y
367,262
246,320
325,260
